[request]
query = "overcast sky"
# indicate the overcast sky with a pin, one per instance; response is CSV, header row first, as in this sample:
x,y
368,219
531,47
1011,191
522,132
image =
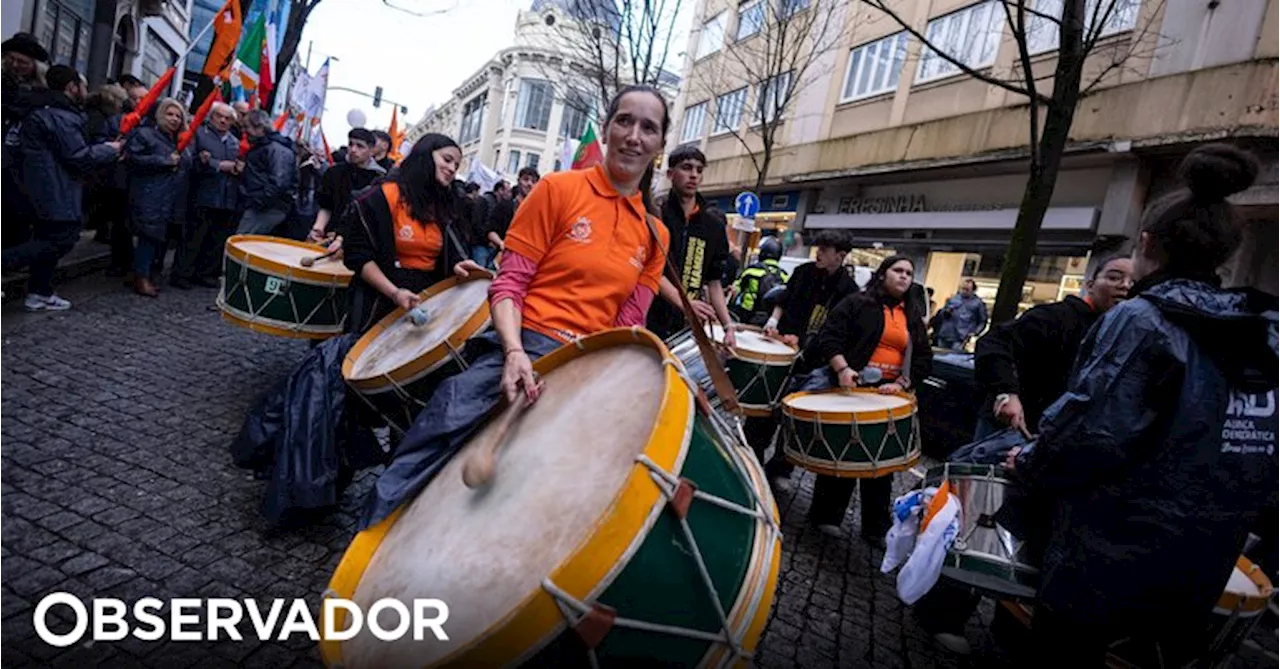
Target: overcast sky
x,y
418,61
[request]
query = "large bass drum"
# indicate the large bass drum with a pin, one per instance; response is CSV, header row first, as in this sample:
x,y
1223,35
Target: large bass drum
x,y
621,526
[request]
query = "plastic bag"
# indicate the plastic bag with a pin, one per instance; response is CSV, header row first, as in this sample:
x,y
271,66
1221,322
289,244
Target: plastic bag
x,y
901,538
938,530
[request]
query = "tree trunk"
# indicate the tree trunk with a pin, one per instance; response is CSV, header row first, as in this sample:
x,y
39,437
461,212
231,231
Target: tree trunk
x,y
1059,114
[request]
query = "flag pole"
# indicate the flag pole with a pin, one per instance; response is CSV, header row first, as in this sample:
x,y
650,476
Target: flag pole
x,y
195,40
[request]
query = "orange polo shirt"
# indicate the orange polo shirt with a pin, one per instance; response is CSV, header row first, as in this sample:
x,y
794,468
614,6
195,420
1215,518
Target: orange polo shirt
x,y
592,247
891,351
418,244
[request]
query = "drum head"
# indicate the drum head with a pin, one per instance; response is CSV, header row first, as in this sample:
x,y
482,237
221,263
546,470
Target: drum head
x,y
559,474
846,403
402,342
288,253
753,346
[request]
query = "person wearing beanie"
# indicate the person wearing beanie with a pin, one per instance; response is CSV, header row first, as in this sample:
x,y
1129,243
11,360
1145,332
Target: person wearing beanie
x,y
21,86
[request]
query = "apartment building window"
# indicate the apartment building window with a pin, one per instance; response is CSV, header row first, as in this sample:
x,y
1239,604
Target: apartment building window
x,y
750,19
771,96
1042,32
531,160
472,117
579,107
970,35
533,109
65,32
513,162
729,111
790,8
875,68
712,36
695,118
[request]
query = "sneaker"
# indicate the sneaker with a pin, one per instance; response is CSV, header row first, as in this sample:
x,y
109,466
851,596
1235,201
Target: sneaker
x,y
954,643
46,302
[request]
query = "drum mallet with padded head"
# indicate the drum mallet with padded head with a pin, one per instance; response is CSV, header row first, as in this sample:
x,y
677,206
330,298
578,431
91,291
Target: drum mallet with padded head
x,y
418,314
480,466
307,262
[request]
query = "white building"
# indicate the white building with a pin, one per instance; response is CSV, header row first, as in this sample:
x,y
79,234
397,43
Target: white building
x,y
521,107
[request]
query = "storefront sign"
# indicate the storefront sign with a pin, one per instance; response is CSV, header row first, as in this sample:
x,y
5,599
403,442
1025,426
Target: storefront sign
x,y
896,204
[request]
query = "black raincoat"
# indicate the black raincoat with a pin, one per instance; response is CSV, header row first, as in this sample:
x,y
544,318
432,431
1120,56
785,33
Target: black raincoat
x,y
305,436
1160,456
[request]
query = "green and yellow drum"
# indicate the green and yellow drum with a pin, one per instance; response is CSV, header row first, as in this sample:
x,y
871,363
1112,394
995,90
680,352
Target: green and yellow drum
x,y
396,366
851,433
265,288
758,369
621,526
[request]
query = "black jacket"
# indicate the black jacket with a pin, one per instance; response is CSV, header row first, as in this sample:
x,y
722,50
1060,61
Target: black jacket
x,y
1160,455
214,189
55,158
369,235
853,329
340,183
698,251
270,178
1033,355
811,294
157,188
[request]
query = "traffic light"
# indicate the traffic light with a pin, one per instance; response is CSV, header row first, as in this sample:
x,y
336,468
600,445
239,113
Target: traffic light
x,y
377,96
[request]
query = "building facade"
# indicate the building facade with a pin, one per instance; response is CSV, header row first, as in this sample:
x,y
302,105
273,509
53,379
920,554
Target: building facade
x,y
104,39
912,156
526,104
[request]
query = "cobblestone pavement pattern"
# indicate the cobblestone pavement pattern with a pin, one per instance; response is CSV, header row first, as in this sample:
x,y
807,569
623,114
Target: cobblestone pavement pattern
x,y
117,483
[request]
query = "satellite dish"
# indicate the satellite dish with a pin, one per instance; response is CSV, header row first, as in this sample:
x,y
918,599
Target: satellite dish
x,y
356,118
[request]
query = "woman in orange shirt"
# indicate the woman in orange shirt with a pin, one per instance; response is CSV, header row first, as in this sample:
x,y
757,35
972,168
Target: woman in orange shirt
x,y
582,255
402,235
875,329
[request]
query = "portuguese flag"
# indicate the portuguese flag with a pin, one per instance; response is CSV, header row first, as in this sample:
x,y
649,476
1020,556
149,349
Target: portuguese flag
x,y
589,153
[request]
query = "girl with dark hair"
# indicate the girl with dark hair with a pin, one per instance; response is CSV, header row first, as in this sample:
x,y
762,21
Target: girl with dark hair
x,y
404,234
881,328
1161,454
581,257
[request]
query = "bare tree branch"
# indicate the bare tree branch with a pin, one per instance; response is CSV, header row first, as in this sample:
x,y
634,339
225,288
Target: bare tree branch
x,y
941,53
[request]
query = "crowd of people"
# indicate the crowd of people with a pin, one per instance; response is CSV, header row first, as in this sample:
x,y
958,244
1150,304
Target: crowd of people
x,y
1140,503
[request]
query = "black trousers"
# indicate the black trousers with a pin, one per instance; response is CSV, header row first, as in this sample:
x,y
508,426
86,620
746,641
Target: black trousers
x,y
759,432
831,498
50,242
205,236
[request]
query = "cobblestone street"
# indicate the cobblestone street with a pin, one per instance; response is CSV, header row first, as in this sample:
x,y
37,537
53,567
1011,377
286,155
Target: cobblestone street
x,y
117,483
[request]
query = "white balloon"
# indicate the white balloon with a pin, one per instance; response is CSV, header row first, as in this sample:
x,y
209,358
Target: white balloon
x,y
356,118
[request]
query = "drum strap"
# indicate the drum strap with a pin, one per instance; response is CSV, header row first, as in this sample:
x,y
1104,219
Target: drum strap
x,y
724,387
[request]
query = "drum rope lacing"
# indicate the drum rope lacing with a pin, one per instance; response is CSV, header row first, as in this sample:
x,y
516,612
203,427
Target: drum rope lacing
x,y
855,437
255,313
679,494
407,400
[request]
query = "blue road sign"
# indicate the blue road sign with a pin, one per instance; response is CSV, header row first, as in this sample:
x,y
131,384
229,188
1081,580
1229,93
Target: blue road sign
x,y
747,204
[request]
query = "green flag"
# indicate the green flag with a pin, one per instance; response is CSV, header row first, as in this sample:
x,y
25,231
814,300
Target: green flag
x,y
249,54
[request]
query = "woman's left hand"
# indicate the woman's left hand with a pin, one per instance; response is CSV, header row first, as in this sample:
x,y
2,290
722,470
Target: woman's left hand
x,y
890,388
466,267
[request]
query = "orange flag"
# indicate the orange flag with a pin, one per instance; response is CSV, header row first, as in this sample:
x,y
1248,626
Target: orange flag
x,y
397,137
133,118
201,113
226,36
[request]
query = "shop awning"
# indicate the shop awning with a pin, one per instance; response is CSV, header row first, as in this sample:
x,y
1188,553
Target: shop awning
x,y
1057,218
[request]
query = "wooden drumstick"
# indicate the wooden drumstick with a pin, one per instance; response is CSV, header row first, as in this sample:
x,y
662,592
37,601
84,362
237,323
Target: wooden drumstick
x,y
480,466
307,262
